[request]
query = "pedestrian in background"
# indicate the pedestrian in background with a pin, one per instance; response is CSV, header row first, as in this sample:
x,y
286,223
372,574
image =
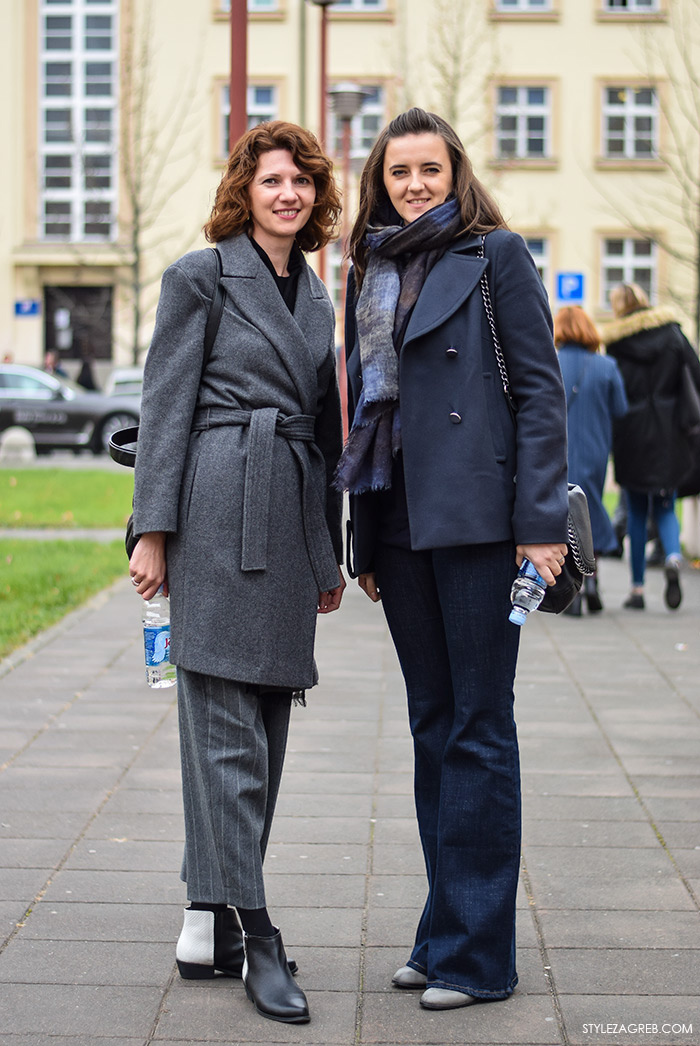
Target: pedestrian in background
x,y
595,395
439,525
652,454
237,517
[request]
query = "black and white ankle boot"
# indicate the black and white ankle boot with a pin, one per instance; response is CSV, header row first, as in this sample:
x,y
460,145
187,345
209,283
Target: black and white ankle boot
x,y
212,942
268,981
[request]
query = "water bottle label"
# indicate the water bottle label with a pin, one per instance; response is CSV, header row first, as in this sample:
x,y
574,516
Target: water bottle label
x,y
157,644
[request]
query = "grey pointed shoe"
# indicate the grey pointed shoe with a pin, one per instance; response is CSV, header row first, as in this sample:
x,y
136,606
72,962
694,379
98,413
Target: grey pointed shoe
x,y
444,999
407,977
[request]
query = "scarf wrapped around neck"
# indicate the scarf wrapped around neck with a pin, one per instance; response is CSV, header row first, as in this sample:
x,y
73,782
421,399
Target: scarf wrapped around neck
x,y
399,259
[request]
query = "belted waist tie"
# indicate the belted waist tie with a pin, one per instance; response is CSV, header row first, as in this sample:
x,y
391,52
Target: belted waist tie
x,y
264,424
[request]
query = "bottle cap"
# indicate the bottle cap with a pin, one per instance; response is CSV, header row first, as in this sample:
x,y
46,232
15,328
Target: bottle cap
x,y
518,616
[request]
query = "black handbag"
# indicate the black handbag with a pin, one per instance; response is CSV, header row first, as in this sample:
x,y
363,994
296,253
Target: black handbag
x,y
123,442
580,560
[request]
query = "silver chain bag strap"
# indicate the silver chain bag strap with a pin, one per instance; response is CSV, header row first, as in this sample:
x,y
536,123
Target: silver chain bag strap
x,y
580,536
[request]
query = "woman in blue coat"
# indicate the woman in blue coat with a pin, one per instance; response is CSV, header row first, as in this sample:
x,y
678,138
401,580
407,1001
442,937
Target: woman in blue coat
x,y
440,525
595,395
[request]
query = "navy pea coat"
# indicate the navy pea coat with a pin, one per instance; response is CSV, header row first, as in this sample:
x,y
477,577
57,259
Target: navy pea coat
x,y
473,474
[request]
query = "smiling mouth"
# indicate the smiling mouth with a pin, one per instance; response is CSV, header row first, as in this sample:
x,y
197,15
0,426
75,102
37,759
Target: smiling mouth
x,y
287,214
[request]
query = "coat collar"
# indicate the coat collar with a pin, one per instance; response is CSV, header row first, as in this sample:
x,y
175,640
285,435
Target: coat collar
x,y
449,283
636,322
303,340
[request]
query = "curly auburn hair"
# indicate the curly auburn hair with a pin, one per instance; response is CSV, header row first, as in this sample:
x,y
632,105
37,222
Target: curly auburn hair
x,y
230,214
480,212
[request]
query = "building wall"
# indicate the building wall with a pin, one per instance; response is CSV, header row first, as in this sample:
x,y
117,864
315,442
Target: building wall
x,y
569,199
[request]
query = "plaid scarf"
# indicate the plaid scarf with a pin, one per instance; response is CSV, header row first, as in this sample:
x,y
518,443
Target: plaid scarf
x,y
400,258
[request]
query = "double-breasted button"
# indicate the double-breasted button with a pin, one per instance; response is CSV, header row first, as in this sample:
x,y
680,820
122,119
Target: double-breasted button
x,y
455,418
451,352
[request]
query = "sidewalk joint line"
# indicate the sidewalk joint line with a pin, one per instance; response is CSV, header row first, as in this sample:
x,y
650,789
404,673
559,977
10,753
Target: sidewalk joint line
x,y
628,777
81,835
544,954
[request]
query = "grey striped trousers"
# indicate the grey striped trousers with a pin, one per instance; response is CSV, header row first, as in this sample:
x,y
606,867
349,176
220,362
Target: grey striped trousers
x,y
232,746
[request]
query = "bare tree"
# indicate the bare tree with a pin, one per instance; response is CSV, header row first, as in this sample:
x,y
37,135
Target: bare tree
x,y
452,70
462,58
157,157
671,53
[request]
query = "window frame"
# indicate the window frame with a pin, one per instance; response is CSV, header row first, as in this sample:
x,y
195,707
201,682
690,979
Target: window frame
x,y
604,14
526,14
627,265
603,161
222,110
550,159
66,212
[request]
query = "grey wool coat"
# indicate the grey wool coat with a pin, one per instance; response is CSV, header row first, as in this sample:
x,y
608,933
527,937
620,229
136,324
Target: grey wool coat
x,y
237,469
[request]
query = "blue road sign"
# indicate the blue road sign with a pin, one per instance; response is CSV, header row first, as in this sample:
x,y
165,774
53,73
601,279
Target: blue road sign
x,y
570,287
27,307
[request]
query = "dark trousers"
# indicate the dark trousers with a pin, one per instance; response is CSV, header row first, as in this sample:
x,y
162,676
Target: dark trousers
x,y
232,746
447,611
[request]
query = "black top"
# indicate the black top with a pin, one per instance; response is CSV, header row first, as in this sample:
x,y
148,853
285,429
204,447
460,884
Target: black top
x,y
286,285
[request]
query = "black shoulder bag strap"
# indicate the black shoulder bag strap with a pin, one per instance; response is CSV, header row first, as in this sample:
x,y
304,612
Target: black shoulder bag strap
x,y
215,311
122,443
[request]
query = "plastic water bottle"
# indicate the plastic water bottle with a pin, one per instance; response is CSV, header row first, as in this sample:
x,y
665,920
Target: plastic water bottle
x,y
156,641
527,592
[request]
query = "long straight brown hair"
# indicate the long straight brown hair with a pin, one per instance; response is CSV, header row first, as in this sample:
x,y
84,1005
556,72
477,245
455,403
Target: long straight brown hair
x,y
480,212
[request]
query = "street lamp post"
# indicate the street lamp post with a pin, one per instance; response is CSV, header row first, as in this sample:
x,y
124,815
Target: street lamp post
x,y
238,79
323,90
346,99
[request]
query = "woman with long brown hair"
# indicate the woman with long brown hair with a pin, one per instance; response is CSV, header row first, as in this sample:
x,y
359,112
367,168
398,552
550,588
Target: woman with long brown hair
x,y
237,517
439,523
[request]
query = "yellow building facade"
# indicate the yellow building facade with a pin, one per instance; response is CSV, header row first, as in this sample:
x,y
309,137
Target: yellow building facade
x,y
577,114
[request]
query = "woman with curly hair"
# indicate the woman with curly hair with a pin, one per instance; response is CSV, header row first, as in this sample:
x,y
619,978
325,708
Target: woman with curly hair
x,y
238,521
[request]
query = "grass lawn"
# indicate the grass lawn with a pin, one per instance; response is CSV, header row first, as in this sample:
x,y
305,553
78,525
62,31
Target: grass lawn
x,y
65,497
40,581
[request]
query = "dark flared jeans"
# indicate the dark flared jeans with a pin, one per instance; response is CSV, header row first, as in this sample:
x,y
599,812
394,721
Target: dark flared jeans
x,y
447,611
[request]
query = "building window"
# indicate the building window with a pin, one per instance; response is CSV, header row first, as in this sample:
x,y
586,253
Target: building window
x,y
78,101
364,127
359,5
628,260
262,104
633,6
630,123
538,247
519,6
523,122
254,6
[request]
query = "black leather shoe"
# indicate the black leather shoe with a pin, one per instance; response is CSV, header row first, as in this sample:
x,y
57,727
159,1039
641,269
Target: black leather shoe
x,y
210,943
268,983
593,600
672,592
634,601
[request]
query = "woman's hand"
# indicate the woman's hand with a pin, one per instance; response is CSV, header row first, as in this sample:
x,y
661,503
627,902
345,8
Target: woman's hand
x,y
368,584
546,559
330,601
147,565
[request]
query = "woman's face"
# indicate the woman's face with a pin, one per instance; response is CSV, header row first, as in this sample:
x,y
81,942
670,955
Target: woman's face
x,y
417,173
281,198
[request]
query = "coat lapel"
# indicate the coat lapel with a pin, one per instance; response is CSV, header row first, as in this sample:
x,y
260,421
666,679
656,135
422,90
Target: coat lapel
x,y
451,280
297,339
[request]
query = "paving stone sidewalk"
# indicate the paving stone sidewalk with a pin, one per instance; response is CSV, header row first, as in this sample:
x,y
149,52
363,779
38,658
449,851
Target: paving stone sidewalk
x,y
91,835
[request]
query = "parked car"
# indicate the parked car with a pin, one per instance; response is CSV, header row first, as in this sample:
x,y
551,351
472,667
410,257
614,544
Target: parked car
x,y
59,414
124,381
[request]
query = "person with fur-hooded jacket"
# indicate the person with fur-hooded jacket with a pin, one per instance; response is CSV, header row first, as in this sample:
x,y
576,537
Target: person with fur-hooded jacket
x,y
652,453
